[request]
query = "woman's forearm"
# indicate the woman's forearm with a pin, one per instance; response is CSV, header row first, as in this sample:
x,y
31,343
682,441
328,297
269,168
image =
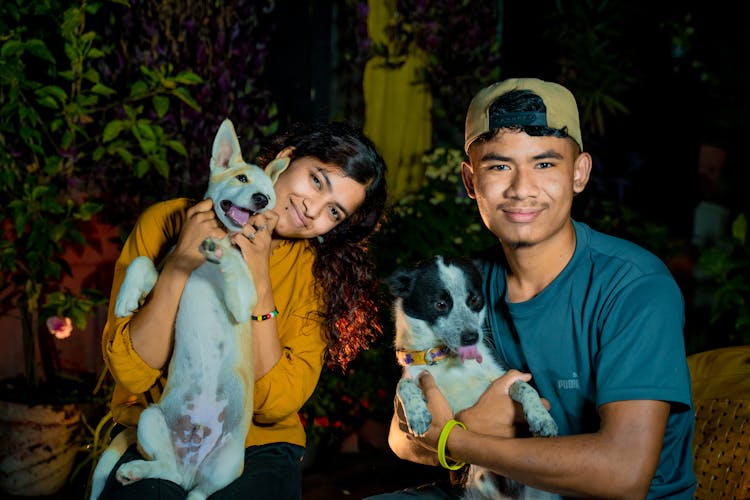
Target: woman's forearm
x,y
152,326
266,345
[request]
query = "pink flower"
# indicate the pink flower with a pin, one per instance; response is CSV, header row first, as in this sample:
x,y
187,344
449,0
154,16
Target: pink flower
x,y
61,328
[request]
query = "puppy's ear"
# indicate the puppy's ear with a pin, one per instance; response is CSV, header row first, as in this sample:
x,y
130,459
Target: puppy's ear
x,y
276,167
226,148
401,283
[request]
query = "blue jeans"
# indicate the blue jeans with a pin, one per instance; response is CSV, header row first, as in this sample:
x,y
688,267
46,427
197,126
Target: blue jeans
x,y
272,471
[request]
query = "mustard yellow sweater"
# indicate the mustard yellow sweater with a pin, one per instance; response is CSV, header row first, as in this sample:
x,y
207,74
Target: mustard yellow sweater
x,y
280,393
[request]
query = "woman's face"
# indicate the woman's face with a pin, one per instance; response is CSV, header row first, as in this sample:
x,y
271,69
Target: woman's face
x,y
313,197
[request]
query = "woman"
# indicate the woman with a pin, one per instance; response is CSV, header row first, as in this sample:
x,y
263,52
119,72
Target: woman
x,y
308,263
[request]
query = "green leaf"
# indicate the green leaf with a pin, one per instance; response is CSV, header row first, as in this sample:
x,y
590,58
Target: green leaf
x,y
161,105
138,89
177,146
145,130
48,102
102,90
91,75
188,78
185,97
11,48
739,229
141,167
53,90
38,49
161,166
95,53
112,130
87,209
123,153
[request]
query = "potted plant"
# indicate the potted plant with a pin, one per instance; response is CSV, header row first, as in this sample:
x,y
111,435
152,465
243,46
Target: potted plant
x,y
59,119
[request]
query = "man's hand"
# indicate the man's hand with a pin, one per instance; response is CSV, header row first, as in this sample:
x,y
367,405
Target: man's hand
x,y
495,413
420,449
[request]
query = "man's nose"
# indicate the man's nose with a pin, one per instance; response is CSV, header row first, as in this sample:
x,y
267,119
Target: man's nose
x,y
523,184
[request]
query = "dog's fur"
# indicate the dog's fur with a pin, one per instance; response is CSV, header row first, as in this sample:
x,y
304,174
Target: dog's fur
x,y
195,435
439,305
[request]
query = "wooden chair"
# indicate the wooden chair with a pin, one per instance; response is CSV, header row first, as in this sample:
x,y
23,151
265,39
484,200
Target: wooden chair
x,y
721,446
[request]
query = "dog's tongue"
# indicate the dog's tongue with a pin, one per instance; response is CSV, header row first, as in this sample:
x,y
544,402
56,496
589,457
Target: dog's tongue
x,y
239,215
469,352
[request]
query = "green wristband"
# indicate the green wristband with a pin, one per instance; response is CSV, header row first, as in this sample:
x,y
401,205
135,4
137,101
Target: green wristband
x,y
449,425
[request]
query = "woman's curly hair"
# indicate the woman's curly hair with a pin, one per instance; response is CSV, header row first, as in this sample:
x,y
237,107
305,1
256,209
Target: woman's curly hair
x,y
344,274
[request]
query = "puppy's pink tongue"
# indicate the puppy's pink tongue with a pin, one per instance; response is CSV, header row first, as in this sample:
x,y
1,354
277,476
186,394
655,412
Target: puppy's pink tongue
x,y
239,215
469,352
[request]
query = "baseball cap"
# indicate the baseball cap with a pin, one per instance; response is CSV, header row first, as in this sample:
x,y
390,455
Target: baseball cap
x,y
562,110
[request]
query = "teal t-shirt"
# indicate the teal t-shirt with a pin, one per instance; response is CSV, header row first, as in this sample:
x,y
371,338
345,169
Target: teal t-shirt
x,y
608,328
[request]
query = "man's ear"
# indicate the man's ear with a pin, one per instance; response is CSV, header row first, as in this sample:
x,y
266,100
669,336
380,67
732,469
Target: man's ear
x,y
581,172
467,174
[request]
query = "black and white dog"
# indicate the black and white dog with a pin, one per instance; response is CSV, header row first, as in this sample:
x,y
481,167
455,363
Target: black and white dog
x,y
439,313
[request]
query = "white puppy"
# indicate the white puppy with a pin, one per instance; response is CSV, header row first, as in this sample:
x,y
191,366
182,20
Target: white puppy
x,y
195,435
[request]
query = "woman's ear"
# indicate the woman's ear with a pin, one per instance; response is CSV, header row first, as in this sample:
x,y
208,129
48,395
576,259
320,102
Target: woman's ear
x,y
467,174
581,172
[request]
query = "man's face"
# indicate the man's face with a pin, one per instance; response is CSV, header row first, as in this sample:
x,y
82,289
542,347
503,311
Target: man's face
x,y
524,185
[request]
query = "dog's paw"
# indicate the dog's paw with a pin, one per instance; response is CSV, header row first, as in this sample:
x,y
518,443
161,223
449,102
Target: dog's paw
x,y
140,279
544,427
540,421
212,250
418,417
132,471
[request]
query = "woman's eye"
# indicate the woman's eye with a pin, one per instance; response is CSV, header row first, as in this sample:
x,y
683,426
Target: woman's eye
x,y
242,178
316,181
335,214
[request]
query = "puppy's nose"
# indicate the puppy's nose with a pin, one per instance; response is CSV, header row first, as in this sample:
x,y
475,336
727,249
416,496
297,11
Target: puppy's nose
x,y
469,338
260,201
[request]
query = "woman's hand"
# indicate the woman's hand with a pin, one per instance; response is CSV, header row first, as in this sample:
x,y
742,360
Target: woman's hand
x,y
254,241
200,223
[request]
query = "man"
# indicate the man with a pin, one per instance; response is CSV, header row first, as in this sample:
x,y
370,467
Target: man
x,y
597,320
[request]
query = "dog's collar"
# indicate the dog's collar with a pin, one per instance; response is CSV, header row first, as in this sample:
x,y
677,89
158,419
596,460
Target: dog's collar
x,y
429,357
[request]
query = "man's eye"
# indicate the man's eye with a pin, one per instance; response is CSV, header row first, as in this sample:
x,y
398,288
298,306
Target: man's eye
x,y
242,178
316,181
499,166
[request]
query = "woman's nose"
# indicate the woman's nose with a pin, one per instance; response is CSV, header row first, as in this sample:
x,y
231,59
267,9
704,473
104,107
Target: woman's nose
x,y
312,207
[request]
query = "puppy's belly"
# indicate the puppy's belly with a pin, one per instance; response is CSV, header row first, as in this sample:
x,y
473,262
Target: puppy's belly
x,y
206,390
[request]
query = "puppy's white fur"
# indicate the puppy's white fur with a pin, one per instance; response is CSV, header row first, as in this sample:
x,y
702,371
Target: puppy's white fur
x,y
439,303
195,435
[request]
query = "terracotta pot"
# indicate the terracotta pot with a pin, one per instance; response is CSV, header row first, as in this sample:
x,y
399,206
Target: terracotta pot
x,y
37,447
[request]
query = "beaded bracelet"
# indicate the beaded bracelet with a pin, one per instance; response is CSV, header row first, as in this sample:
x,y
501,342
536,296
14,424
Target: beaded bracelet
x,y
443,440
264,317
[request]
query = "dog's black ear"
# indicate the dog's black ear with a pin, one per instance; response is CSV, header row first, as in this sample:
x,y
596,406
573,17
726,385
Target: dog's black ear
x,y
400,282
